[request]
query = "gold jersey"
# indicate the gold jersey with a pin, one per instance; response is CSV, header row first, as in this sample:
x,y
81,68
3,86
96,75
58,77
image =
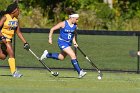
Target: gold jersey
x,y
9,26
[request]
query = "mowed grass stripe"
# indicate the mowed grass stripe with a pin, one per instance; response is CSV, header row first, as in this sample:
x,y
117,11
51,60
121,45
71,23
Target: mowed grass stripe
x,y
38,81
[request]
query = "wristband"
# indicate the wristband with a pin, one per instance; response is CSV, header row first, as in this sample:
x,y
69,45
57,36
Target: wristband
x,y
3,37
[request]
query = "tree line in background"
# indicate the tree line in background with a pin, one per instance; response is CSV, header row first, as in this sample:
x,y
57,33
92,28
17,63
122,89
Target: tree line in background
x,y
94,14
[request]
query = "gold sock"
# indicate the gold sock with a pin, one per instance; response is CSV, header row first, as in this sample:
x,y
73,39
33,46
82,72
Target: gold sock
x,y
12,64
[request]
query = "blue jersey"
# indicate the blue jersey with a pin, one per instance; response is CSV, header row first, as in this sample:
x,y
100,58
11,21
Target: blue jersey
x,y
66,36
67,33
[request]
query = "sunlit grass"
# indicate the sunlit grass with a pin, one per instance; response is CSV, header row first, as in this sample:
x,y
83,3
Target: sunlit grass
x,y
41,81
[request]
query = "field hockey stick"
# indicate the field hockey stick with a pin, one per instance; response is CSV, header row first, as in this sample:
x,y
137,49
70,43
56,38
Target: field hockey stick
x,y
99,72
42,62
133,53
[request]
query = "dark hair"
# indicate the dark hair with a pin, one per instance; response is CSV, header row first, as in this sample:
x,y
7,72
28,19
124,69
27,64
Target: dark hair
x,y
2,13
70,11
9,9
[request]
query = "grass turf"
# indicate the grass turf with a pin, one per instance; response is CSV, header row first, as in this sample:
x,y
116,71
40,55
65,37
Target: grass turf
x,y
109,52
41,81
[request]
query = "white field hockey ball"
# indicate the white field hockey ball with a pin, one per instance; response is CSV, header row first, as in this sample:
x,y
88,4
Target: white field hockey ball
x,y
99,77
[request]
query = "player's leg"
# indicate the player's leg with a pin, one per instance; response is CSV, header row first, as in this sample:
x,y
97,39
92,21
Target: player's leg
x,y
58,56
3,53
74,61
12,60
62,55
46,54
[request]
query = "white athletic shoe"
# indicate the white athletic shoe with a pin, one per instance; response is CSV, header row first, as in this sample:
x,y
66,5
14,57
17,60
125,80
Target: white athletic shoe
x,y
44,55
82,74
16,74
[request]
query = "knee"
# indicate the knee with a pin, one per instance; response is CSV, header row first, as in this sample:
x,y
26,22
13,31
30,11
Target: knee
x,y
61,57
3,57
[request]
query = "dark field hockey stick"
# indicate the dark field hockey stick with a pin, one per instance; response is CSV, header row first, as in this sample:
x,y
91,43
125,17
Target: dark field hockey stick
x,y
42,62
93,65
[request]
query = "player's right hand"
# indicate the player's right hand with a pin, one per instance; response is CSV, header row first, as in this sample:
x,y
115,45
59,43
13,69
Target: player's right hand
x,y
26,46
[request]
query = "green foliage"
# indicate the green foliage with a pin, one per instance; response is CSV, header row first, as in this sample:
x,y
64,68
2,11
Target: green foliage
x,y
104,12
4,3
87,21
85,4
94,14
75,4
135,6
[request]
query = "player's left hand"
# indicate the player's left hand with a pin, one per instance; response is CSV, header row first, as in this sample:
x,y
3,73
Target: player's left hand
x,y
26,46
3,38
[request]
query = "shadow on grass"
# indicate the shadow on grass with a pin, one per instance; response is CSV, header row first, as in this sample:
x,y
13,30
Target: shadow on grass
x,y
67,77
6,75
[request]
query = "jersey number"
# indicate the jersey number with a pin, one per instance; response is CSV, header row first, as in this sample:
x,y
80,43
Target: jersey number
x,y
69,35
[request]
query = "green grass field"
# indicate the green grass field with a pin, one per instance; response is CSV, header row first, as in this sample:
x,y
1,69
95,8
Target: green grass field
x,y
41,81
107,52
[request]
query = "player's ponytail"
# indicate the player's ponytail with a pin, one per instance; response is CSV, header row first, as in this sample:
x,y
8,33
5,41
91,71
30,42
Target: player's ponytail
x,y
70,11
2,13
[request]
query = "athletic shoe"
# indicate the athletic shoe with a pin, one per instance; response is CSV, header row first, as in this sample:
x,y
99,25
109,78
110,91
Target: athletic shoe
x,y
16,74
82,74
44,55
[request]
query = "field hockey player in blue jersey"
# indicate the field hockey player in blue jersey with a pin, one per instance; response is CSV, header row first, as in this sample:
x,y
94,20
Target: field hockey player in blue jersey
x,y
65,40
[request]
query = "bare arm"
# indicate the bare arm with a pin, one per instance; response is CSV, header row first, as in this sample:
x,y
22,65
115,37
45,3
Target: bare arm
x,y
3,19
20,35
74,39
58,26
